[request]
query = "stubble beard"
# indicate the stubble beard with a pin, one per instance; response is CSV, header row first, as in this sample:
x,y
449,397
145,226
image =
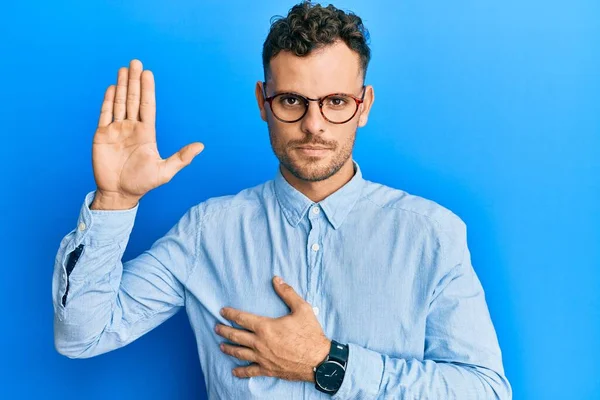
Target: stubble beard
x,y
312,169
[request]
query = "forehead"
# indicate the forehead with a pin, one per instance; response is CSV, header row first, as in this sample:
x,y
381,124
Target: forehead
x,y
328,69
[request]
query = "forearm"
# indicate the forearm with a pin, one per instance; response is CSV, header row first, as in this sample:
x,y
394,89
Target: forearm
x,y
372,375
461,354
109,303
83,306
85,281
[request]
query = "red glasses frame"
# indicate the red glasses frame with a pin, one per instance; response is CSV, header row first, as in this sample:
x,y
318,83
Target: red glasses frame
x,y
269,100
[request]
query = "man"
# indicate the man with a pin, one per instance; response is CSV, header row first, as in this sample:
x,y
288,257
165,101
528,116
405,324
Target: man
x,y
380,299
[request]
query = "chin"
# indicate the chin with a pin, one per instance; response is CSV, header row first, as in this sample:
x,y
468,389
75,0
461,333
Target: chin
x,y
312,169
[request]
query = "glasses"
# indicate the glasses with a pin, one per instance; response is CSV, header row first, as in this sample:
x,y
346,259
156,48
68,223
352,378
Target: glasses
x,y
337,108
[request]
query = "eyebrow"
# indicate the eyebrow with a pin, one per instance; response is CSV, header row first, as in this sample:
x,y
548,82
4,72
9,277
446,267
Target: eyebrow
x,y
300,94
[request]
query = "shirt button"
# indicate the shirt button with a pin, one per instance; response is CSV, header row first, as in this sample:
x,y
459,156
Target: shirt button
x,y
315,247
316,310
82,226
315,210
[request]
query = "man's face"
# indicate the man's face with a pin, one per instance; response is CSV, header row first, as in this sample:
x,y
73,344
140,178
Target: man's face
x,y
332,69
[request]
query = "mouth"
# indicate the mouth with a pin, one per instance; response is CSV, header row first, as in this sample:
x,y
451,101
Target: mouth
x,y
313,151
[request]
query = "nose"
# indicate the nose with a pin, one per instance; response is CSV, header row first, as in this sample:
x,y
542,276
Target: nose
x,y
313,122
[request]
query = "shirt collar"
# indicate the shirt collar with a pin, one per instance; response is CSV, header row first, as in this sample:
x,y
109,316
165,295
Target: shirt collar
x,y
336,206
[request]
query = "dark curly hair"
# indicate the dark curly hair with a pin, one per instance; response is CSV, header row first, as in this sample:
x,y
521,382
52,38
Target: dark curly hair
x,y
311,26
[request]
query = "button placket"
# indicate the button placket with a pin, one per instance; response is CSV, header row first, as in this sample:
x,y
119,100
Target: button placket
x,y
313,248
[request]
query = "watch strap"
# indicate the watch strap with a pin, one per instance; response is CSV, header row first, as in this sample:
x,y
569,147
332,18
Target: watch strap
x,y
338,352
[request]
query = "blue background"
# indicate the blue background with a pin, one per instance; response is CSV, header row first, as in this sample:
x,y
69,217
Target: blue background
x,y
488,108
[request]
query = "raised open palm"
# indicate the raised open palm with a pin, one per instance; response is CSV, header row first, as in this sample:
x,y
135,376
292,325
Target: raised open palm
x,y
125,156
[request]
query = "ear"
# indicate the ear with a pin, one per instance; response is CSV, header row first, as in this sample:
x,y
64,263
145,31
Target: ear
x,y
366,106
260,99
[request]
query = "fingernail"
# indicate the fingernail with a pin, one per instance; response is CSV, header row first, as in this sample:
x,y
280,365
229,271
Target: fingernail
x,y
278,280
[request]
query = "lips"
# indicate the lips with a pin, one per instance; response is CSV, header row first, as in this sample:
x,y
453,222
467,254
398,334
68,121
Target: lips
x,y
313,151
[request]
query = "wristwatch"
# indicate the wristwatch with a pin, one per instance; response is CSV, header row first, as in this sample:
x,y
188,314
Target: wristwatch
x,y
329,374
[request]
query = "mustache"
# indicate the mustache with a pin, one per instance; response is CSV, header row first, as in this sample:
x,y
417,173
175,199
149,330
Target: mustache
x,y
301,143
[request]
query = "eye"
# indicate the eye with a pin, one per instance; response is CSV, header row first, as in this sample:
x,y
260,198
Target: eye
x,y
290,100
337,101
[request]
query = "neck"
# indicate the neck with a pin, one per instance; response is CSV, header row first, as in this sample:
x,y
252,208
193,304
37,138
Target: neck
x,y
317,191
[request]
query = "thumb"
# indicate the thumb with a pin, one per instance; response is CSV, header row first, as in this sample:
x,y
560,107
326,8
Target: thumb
x,y
182,158
288,295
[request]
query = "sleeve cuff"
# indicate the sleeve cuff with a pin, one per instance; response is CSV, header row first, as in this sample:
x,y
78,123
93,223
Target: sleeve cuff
x,y
363,375
99,227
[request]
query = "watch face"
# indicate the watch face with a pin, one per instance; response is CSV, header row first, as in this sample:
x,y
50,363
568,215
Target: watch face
x,y
330,375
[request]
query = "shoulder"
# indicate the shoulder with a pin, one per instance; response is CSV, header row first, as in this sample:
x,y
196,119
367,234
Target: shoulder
x,y
429,214
246,200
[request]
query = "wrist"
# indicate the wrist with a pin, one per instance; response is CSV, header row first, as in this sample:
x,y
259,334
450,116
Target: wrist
x,y
321,353
113,201
330,373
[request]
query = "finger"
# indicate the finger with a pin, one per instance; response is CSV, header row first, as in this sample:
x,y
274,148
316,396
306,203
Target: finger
x,y
239,352
238,336
249,371
133,90
120,95
177,161
288,295
106,112
242,318
148,103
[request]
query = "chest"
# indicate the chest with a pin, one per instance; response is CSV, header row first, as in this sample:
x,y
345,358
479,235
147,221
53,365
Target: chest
x,y
367,286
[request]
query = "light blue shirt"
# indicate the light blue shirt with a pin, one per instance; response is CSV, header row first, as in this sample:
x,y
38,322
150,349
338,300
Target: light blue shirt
x,y
387,272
